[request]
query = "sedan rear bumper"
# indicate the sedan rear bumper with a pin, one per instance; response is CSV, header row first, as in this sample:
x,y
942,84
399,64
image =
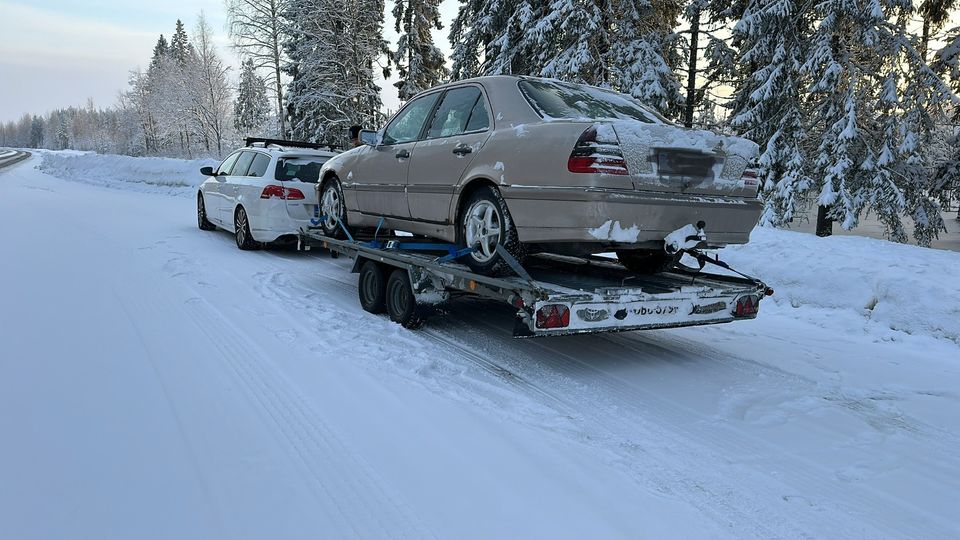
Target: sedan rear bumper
x,y
624,218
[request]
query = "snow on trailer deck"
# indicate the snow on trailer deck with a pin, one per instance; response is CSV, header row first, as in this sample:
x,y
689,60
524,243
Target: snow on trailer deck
x,y
155,382
595,294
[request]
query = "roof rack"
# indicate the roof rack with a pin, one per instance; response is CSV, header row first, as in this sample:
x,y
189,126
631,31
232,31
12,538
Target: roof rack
x,y
251,141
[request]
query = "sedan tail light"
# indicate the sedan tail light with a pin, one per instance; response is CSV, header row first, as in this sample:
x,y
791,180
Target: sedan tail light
x,y
553,316
597,153
750,177
280,192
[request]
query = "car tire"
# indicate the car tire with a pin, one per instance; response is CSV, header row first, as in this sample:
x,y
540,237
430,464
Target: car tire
x,y
643,261
331,200
401,303
372,287
241,228
482,210
202,221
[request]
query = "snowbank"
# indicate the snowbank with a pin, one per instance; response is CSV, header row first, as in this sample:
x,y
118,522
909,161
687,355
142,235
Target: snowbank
x,y
147,174
900,287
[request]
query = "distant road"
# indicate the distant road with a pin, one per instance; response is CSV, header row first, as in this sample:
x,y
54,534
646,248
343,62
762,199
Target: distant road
x,y
10,157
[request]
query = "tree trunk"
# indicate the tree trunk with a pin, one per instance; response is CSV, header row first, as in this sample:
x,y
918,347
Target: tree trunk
x,y
925,39
824,223
692,70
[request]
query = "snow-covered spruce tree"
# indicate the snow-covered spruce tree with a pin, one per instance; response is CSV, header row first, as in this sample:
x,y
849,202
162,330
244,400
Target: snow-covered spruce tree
x,y
333,49
615,43
934,13
257,28
160,50
947,164
251,110
180,44
871,97
707,59
493,37
768,105
419,62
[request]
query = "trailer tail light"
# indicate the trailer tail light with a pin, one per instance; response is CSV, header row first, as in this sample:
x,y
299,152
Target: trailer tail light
x,y
747,306
280,192
597,154
750,178
553,316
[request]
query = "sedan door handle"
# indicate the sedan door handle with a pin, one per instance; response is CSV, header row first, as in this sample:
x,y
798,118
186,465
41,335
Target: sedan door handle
x,y
462,150
403,154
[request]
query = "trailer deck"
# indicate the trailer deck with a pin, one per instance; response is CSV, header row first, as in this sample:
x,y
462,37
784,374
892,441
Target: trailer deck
x,y
553,294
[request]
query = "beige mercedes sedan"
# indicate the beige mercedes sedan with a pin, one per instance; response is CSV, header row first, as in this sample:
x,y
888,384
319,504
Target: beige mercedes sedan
x,y
540,165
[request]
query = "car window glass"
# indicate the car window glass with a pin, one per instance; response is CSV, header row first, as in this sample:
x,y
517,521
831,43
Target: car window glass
x,y
408,123
259,165
243,163
479,120
227,164
554,99
454,112
303,169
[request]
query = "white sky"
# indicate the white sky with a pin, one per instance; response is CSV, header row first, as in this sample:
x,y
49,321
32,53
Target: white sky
x,y
57,53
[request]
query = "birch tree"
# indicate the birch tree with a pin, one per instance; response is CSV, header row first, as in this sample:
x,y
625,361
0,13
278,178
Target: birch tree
x,y
257,28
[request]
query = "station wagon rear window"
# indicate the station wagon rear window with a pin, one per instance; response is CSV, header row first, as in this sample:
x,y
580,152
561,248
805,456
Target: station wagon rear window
x,y
555,99
303,169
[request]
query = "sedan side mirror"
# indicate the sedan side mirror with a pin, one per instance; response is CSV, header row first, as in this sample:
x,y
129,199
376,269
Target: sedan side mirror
x,y
206,171
368,137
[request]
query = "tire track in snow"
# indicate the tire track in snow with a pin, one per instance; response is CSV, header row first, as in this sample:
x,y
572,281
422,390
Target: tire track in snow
x,y
363,504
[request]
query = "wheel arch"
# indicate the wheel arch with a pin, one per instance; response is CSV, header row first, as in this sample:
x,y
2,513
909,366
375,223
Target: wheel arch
x,y
468,189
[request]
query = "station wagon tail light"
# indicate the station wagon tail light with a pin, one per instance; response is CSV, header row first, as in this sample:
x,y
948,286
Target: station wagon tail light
x,y
595,154
553,316
280,192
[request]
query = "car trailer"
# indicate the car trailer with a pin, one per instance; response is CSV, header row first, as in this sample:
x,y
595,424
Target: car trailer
x,y
409,278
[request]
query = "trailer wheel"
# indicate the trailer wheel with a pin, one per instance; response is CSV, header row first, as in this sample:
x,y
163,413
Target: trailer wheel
x,y
401,303
372,287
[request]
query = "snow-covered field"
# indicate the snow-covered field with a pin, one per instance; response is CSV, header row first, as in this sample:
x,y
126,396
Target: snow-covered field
x,y
155,382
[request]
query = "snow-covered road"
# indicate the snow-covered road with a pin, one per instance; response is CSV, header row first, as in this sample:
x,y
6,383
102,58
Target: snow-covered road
x,y
155,382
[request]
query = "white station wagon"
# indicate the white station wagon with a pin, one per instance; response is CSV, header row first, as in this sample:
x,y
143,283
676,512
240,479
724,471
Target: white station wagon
x,y
264,192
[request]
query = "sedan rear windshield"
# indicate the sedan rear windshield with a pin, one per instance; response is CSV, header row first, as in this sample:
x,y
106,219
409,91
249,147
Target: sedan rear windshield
x,y
304,169
555,99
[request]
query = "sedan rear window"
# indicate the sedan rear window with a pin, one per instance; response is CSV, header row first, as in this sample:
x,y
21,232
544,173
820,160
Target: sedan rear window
x,y
555,99
303,169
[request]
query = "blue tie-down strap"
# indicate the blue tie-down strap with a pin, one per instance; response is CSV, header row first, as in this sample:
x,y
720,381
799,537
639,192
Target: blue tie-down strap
x,y
454,255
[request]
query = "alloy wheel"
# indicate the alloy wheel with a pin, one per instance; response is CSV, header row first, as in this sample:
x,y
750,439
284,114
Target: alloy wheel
x,y
483,228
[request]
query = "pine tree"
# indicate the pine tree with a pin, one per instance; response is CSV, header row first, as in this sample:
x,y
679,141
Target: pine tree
x,y
420,63
946,167
333,49
620,44
180,44
768,106
872,99
160,51
492,37
252,108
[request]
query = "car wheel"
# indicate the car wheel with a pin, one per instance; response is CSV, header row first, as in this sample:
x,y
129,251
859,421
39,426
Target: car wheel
x,y
372,287
332,206
202,220
484,223
401,303
241,226
643,261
